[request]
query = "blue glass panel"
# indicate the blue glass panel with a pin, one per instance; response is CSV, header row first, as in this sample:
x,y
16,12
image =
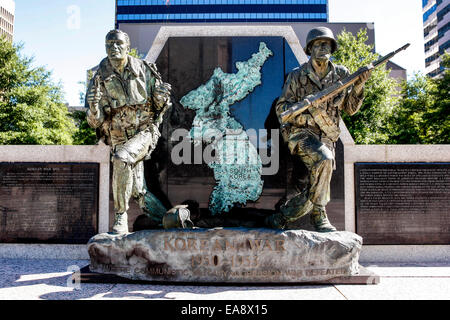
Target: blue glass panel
x,y
290,62
252,112
430,11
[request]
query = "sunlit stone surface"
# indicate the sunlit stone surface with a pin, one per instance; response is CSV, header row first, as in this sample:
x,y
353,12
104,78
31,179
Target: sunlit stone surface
x,y
234,255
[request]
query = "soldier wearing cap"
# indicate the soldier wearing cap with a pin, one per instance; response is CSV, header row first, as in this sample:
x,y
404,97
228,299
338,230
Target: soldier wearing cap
x,y
126,100
312,134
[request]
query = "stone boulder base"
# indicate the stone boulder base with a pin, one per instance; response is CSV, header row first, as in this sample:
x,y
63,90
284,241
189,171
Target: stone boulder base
x,y
235,255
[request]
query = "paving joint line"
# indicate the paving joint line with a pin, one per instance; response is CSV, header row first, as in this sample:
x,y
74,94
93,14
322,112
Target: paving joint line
x,y
340,292
427,277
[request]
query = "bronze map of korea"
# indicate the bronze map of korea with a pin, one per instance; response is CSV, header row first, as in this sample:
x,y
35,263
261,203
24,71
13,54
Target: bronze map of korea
x,y
236,164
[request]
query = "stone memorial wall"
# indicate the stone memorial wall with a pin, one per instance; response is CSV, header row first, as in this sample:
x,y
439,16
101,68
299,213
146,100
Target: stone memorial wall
x,y
48,202
52,196
404,203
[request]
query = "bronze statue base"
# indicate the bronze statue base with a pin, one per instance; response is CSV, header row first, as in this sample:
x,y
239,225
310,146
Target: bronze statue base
x,y
364,277
227,255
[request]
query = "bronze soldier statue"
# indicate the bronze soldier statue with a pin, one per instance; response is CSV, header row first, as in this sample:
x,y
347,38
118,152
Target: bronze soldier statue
x,y
312,134
127,99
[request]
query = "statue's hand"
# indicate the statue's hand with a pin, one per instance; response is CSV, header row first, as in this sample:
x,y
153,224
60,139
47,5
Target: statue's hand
x,y
359,84
338,99
314,104
93,98
365,76
162,91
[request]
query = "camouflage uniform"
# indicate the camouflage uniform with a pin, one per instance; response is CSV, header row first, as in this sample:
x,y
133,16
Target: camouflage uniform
x,y
127,120
312,135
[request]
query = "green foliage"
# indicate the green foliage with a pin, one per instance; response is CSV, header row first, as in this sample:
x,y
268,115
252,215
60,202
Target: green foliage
x,y
438,117
371,125
85,135
83,84
135,53
423,115
417,114
32,110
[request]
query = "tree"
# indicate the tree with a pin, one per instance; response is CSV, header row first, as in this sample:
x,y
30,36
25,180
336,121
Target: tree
x,y
84,135
438,117
423,115
371,125
32,110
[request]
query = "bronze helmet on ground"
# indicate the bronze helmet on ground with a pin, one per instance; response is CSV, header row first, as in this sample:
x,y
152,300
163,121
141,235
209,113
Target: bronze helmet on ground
x,y
178,217
317,34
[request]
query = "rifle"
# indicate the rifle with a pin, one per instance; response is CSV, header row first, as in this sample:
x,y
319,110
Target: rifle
x,y
336,88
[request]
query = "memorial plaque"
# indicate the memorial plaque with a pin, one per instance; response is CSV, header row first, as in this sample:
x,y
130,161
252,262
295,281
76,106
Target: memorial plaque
x,y
403,203
48,202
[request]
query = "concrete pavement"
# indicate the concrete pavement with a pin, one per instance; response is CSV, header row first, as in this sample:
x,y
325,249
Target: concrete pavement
x,y
30,279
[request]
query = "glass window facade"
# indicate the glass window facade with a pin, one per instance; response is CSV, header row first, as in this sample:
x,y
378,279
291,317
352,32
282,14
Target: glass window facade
x,y
430,11
185,11
436,25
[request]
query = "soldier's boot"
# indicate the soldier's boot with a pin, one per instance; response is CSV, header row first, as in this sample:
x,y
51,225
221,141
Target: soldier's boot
x,y
120,223
276,221
319,220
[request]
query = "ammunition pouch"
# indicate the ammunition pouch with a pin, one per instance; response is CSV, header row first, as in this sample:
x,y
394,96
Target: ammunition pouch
x,y
331,130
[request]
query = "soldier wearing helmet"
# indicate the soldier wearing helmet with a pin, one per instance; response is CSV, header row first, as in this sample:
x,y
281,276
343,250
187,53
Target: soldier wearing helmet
x,y
312,135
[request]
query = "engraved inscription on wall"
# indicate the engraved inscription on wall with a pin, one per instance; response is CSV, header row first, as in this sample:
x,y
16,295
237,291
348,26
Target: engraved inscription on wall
x,y
406,203
48,202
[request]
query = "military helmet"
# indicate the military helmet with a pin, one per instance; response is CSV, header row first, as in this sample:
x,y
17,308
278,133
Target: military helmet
x,y
178,217
317,34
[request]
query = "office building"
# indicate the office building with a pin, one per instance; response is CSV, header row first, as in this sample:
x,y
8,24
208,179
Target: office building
x,y
7,8
143,18
179,11
436,21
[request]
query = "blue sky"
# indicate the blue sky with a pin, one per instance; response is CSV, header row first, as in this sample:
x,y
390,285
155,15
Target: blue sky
x,y
53,34
396,22
67,36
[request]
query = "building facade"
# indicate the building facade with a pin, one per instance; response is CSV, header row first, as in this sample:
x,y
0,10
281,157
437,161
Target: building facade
x,y
143,18
436,22
181,11
7,8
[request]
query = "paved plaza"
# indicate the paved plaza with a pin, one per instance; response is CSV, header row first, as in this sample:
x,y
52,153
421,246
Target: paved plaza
x,y
30,279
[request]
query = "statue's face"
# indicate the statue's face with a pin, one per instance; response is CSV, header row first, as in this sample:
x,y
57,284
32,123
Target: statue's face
x,y
321,49
117,46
